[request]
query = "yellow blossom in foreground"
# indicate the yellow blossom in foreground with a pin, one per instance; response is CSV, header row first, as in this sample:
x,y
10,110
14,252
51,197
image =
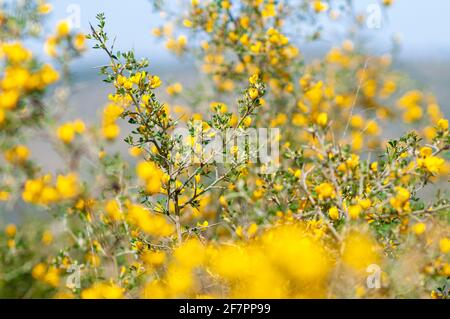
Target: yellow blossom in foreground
x,y
360,251
102,291
153,258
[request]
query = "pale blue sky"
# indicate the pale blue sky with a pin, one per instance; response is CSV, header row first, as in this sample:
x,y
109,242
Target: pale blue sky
x,y
424,25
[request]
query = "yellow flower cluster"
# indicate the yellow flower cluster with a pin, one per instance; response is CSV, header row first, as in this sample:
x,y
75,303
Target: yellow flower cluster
x,y
49,275
42,191
110,128
284,262
151,175
150,223
17,154
63,34
431,163
401,200
67,132
18,79
325,191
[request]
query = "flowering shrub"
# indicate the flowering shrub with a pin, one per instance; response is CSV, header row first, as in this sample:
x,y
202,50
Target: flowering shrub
x,y
343,214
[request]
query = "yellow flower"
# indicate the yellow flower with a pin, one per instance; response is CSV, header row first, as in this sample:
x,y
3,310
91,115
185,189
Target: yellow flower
x,y
67,186
45,8
79,42
325,190
443,124
254,78
15,52
152,175
103,291
153,258
17,155
113,210
155,81
10,230
322,119
365,203
247,121
135,151
252,229
354,211
50,46
425,151
2,117
67,132
47,238
357,121
219,107
444,245
150,223
269,11
174,89
51,277
432,163
63,29
360,251
253,93
319,6
9,99
4,196
110,131
402,194
419,228
353,161
334,213
38,271
401,201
